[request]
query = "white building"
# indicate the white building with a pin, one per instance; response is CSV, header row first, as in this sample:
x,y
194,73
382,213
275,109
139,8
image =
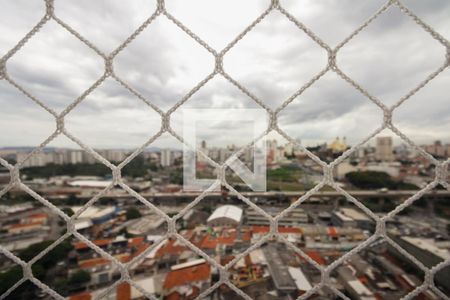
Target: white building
x,y
166,159
36,160
113,155
384,149
74,157
227,215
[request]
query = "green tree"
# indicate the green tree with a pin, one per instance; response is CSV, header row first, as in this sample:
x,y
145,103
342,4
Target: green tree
x,y
376,180
68,211
61,285
39,268
39,271
133,213
9,278
79,277
73,200
136,168
50,259
176,178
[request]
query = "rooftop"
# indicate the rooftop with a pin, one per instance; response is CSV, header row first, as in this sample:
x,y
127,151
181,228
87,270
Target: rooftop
x,y
188,275
428,245
226,211
91,183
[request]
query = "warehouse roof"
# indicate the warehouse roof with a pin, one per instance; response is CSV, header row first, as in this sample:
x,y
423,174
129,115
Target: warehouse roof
x,y
91,183
227,211
354,214
300,279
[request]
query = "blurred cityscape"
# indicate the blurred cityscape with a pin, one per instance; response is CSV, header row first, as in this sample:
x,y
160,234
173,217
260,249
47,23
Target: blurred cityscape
x,y
316,232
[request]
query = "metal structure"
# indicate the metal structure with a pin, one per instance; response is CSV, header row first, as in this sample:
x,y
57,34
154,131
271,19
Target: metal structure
x,y
220,70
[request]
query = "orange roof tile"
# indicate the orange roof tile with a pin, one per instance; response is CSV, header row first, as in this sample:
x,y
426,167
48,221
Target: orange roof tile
x,y
102,242
332,231
173,296
171,248
36,216
265,229
228,237
226,259
363,279
248,261
123,258
184,276
378,296
316,257
90,263
82,296
141,249
260,229
208,243
247,236
32,224
124,291
133,242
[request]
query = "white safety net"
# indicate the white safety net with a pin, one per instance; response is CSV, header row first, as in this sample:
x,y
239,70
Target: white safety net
x,y
219,70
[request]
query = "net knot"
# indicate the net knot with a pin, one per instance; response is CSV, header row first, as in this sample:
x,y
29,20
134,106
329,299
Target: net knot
x,y
165,122
109,68
49,9
328,175
380,228
387,116
60,124
15,175
332,59
161,6
171,229
219,64
275,4
441,173
27,272
71,227
273,120
117,175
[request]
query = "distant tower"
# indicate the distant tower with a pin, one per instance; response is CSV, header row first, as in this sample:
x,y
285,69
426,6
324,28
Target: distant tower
x,y
203,144
439,149
166,158
384,150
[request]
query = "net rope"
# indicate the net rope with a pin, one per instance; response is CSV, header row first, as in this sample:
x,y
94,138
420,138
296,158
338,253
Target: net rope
x,y
441,170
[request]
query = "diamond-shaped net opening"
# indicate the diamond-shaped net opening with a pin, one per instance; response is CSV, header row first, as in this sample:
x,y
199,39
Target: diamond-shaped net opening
x,y
275,236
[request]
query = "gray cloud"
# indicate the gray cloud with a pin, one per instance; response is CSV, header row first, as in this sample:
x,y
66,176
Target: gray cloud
x,y
389,58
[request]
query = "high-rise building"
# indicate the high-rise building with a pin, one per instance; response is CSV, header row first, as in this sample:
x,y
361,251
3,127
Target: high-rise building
x,y
166,158
274,153
113,155
439,149
39,159
384,149
205,150
73,157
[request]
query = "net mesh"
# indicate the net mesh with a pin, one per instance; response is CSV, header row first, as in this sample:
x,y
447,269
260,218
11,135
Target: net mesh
x,y
219,70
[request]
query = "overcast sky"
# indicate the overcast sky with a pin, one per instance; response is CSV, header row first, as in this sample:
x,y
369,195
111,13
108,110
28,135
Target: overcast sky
x,y
389,59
